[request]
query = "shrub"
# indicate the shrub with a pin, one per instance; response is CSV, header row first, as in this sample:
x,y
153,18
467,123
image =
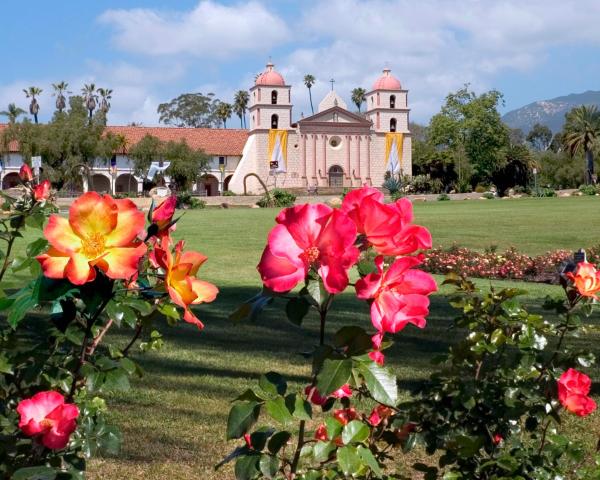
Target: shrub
x,y
393,185
480,189
426,184
544,192
489,195
588,189
186,200
229,193
443,197
277,198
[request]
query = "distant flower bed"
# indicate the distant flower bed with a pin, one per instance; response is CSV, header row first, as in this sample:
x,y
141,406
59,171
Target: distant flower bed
x,y
509,264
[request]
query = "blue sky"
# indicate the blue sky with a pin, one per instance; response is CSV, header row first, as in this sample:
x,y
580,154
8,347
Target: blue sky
x,y
150,51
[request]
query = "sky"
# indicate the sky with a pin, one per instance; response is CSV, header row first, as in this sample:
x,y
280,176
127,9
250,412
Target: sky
x,y
151,51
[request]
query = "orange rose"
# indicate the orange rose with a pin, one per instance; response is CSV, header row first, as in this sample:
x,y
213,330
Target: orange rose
x,y
586,279
180,277
100,232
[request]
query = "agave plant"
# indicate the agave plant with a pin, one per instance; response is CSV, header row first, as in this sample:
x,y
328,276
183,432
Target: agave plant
x,y
393,185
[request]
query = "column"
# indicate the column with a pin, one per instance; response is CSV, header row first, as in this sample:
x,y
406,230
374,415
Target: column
x,y
357,171
368,140
324,159
314,159
348,172
303,161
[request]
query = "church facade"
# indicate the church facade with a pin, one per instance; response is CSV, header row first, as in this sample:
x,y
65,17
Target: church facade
x,y
332,148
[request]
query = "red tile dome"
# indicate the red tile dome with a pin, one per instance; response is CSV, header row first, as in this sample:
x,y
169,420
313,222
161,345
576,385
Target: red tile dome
x,y
270,77
387,81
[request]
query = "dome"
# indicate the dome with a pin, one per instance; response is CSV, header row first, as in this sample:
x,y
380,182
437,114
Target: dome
x,y
270,77
387,81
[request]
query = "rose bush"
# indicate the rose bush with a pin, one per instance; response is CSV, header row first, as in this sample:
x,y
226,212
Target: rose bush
x,y
102,266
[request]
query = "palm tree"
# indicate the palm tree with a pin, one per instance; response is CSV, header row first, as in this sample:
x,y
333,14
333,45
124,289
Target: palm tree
x,y
34,106
59,92
240,105
358,97
582,132
309,81
105,96
224,111
12,113
89,97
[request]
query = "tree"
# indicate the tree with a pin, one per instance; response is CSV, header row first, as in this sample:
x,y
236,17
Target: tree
x,y
358,97
240,105
59,92
540,137
309,81
581,133
149,149
12,113
105,96
190,110
34,106
470,125
89,97
515,167
186,164
224,111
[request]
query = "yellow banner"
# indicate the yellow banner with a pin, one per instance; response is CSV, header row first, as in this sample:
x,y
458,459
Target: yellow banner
x,y
277,151
393,151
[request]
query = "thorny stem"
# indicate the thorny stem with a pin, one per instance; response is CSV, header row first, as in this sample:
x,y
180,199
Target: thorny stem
x,y
10,241
99,337
294,466
543,442
82,354
138,331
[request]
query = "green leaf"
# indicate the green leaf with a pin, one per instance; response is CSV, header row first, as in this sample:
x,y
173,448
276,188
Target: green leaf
x,y
348,460
334,374
268,465
241,417
246,467
300,408
272,383
322,451
249,395
355,432
296,309
381,382
278,410
34,473
6,302
316,292
138,304
20,307
37,247
277,441
5,365
369,459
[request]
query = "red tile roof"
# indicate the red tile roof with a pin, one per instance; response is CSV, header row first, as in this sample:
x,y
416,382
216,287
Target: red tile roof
x,y
213,141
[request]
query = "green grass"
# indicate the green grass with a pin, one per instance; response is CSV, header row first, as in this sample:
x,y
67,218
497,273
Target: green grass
x,y
174,418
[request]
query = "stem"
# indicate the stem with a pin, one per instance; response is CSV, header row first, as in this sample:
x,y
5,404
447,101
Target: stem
x,y
138,331
82,354
298,448
11,240
323,315
99,337
543,443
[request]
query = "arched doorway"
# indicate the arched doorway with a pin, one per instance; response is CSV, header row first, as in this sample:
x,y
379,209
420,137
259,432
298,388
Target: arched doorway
x,y
10,180
126,183
100,183
226,183
208,186
336,176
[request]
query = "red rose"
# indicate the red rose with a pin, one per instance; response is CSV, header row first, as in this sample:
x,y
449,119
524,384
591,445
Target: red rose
x,y
573,390
46,415
25,173
586,279
41,192
345,415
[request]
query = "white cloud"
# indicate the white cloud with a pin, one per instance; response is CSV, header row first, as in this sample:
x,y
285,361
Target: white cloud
x,y
210,30
433,46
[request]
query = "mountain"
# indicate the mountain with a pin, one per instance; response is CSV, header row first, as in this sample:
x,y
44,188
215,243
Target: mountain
x,y
549,112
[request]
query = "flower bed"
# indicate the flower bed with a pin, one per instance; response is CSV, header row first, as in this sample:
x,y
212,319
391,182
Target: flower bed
x,y
509,264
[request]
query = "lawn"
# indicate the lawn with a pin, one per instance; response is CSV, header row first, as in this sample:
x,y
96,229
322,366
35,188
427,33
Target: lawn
x,y
174,418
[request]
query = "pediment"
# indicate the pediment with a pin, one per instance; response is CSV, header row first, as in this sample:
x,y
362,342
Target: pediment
x,y
335,115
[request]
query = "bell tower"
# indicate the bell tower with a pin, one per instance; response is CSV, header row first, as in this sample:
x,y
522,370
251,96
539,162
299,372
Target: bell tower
x,y
270,101
387,104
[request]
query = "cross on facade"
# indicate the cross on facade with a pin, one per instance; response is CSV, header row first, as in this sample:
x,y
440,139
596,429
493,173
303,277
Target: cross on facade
x,y
332,81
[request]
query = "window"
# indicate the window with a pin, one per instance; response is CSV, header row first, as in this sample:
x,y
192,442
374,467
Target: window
x,y
274,120
392,124
221,160
274,97
392,101
336,176
335,142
